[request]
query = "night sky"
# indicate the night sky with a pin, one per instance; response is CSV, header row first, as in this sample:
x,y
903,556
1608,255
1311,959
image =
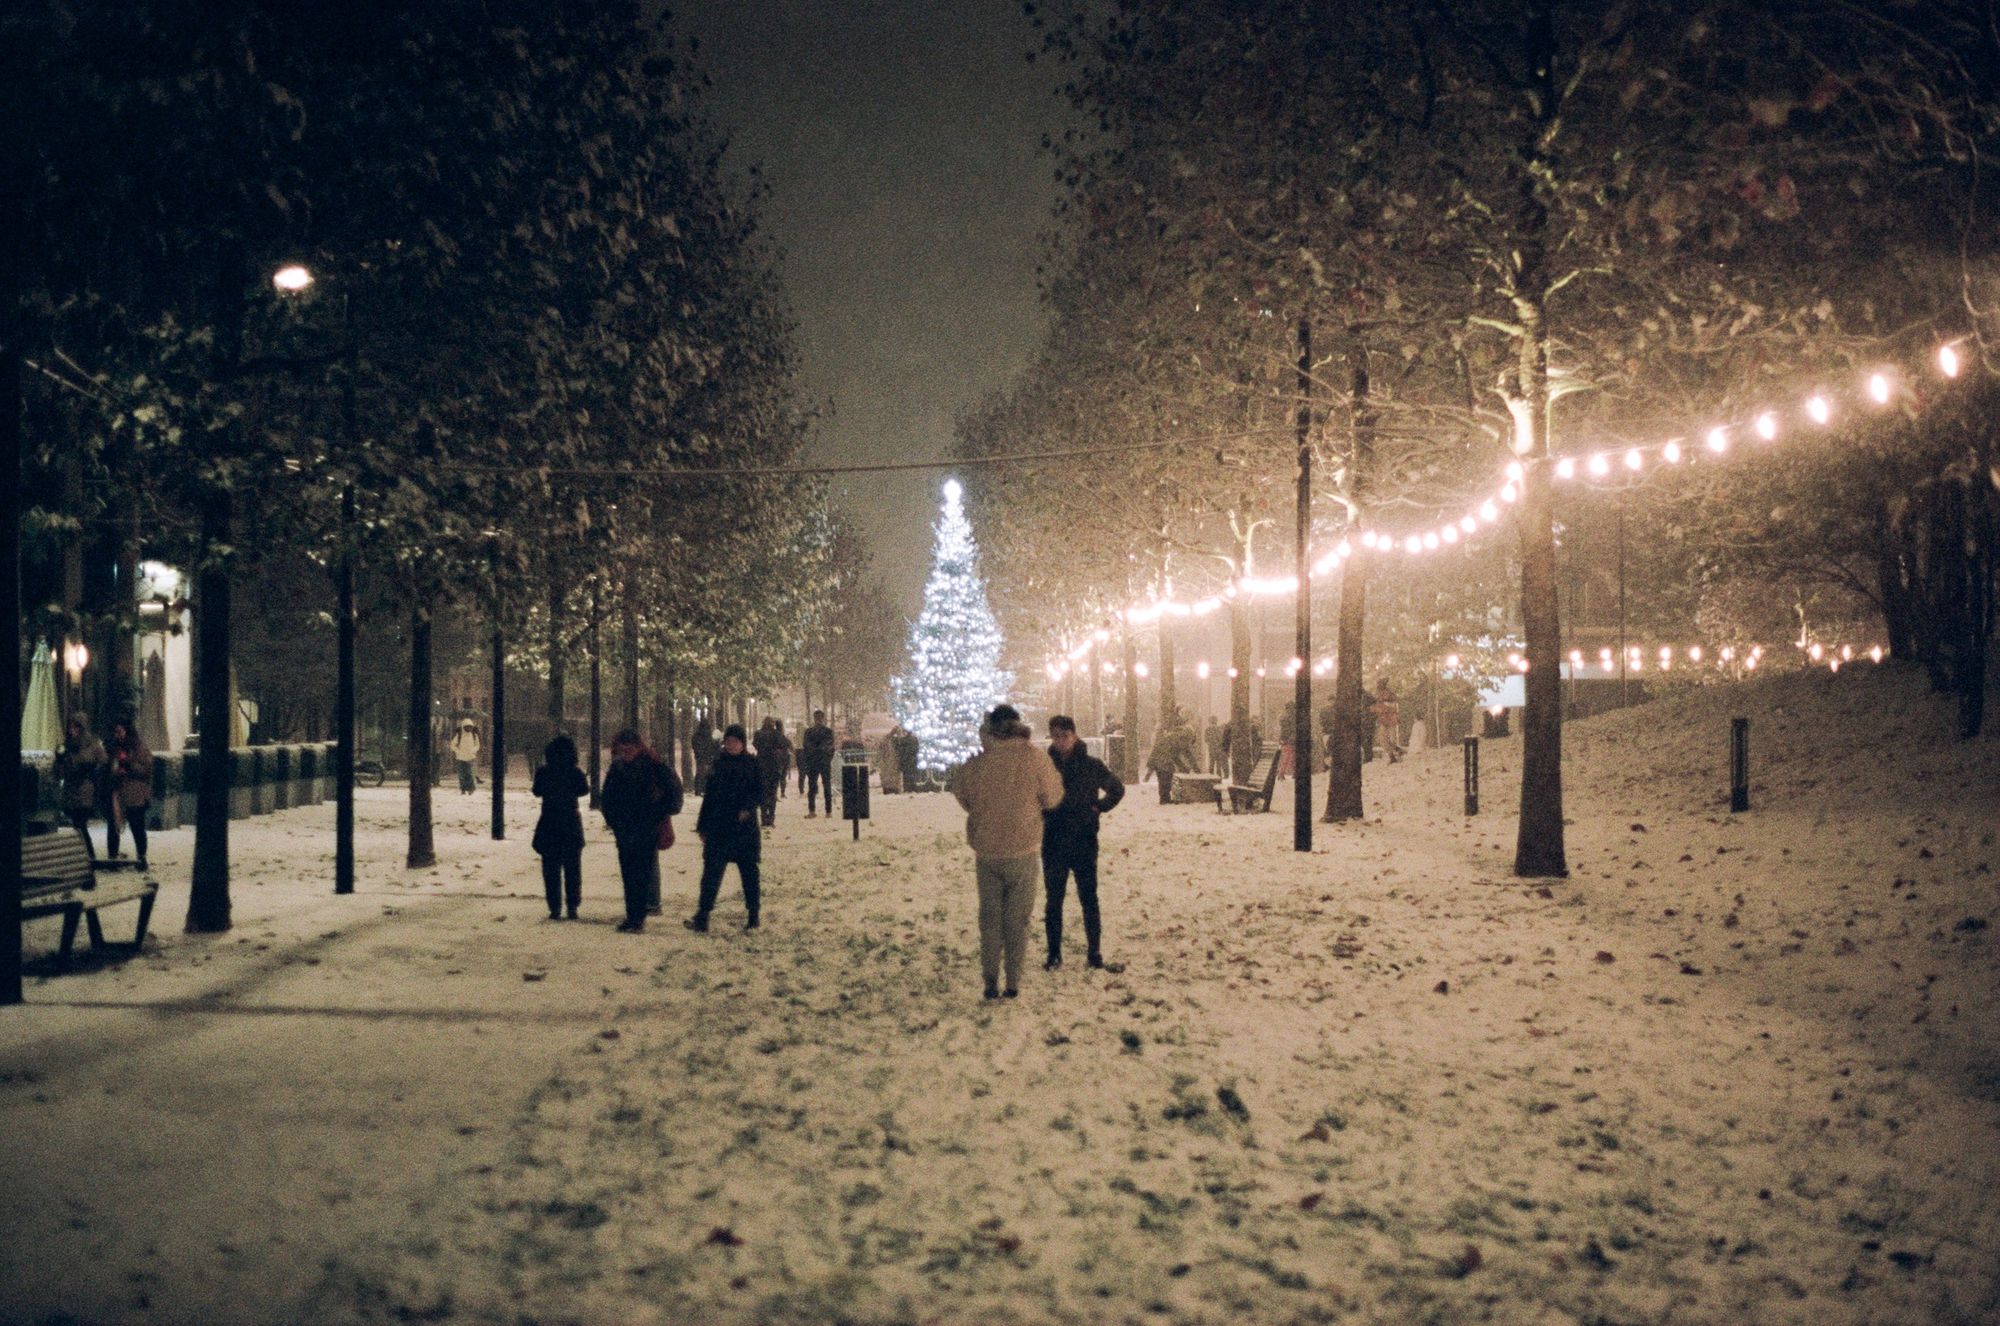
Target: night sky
x,y
901,143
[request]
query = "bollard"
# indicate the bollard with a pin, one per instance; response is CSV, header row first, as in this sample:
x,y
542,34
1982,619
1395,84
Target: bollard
x,y
1472,775
854,794
1739,764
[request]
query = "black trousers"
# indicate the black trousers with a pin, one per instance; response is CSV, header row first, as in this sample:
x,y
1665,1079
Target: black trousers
x,y
818,783
717,857
81,819
1057,866
1166,777
135,820
636,860
772,786
562,879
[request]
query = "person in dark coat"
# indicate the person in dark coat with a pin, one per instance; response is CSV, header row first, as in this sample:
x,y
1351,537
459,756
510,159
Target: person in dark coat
x,y
774,755
1069,837
640,792
131,788
907,747
704,746
816,763
728,828
81,766
559,830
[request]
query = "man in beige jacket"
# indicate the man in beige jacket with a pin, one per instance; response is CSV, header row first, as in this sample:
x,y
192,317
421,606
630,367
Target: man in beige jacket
x,y
1004,789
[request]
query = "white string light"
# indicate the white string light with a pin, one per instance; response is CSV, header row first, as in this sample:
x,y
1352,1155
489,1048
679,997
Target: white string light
x,y
1878,389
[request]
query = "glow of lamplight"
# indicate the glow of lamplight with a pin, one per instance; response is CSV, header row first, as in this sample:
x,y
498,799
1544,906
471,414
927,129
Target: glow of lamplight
x,y
1514,660
1600,466
1345,549
1515,472
1413,545
1767,425
1847,651
1468,525
1100,635
1815,652
1566,468
1368,538
1750,663
1633,460
1948,360
292,278
1878,388
1489,512
1818,410
1108,669
1718,440
1694,653
1201,669
1431,541
1233,674
1260,671
1140,669
1055,673
1728,652
1510,492
1451,660
1449,534
1576,658
1875,654
1671,453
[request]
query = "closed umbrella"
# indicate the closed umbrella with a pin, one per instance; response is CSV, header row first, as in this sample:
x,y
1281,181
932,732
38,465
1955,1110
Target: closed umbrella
x,y
41,724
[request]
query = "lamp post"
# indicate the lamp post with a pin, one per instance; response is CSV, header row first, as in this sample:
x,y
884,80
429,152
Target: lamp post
x,y
294,279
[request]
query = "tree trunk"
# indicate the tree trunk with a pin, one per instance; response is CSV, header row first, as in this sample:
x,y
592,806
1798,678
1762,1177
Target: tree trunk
x,y
11,332
596,693
1096,691
497,737
208,896
1169,697
629,614
1350,694
1242,750
556,723
1130,770
423,846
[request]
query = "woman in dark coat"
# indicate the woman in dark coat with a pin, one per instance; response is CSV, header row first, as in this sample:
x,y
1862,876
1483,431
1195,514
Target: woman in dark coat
x,y
640,793
559,831
81,766
131,789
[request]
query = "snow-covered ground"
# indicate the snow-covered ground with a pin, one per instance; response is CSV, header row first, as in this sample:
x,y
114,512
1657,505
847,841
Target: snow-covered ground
x,y
1733,1069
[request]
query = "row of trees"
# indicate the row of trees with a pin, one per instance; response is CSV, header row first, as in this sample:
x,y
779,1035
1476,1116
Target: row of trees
x,y
537,370
1465,232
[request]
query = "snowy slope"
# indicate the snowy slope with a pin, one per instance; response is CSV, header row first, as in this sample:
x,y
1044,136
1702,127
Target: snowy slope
x,y
1734,1068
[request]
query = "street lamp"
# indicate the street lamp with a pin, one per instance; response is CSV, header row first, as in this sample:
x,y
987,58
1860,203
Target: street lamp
x,y
292,279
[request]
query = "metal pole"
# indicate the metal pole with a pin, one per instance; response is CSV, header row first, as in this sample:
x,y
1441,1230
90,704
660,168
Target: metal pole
x,y
1302,802
498,735
1739,764
596,690
1623,698
343,701
10,603
1472,775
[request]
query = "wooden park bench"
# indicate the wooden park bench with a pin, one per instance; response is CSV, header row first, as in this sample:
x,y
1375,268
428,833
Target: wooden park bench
x,y
1256,793
57,875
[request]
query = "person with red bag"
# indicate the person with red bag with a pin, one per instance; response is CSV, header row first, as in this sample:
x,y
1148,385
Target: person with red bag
x,y
641,795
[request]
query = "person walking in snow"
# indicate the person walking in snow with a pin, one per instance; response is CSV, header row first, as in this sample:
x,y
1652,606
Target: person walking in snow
x,y
1211,745
1069,837
465,753
774,756
131,788
728,828
1388,720
1172,753
80,768
704,746
1004,789
559,829
889,759
640,794
816,763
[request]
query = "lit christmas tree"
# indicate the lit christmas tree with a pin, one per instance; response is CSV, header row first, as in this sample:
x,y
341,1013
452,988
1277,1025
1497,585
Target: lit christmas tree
x,y
954,675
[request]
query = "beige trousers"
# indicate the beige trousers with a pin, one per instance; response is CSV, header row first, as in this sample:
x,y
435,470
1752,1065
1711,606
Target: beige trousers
x,y
1007,892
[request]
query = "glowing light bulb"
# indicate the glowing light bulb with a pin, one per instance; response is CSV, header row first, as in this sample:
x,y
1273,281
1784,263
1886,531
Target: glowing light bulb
x,y
1233,673
1140,669
1818,410
1718,440
1368,538
1467,525
1451,660
292,278
1767,425
1815,653
1201,669
1260,671
1633,460
1413,545
1599,466
1878,388
1430,541
1100,635
1566,468
1875,654
1604,656
1449,534
1750,663
1576,658
1948,360
1514,471
952,490
1671,453
1055,673
1694,653
1345,549
1108,669
1510,493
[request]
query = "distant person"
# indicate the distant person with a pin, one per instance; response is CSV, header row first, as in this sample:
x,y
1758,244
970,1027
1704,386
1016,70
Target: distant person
x,y
908,748
80,768
640,794
816,764
465,753
1172,753
728,828
1211,746
1069,837
1388,720
774,756
704,746
1004,789
559,830
131,790
889,758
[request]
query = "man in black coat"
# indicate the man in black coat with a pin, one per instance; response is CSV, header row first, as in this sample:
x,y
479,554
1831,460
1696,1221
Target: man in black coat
x,y
816,764
728,828
1069,836
640,792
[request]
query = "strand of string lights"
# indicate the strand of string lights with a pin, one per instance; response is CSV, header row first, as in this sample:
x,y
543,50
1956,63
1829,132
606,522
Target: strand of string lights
x,y
1880,389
